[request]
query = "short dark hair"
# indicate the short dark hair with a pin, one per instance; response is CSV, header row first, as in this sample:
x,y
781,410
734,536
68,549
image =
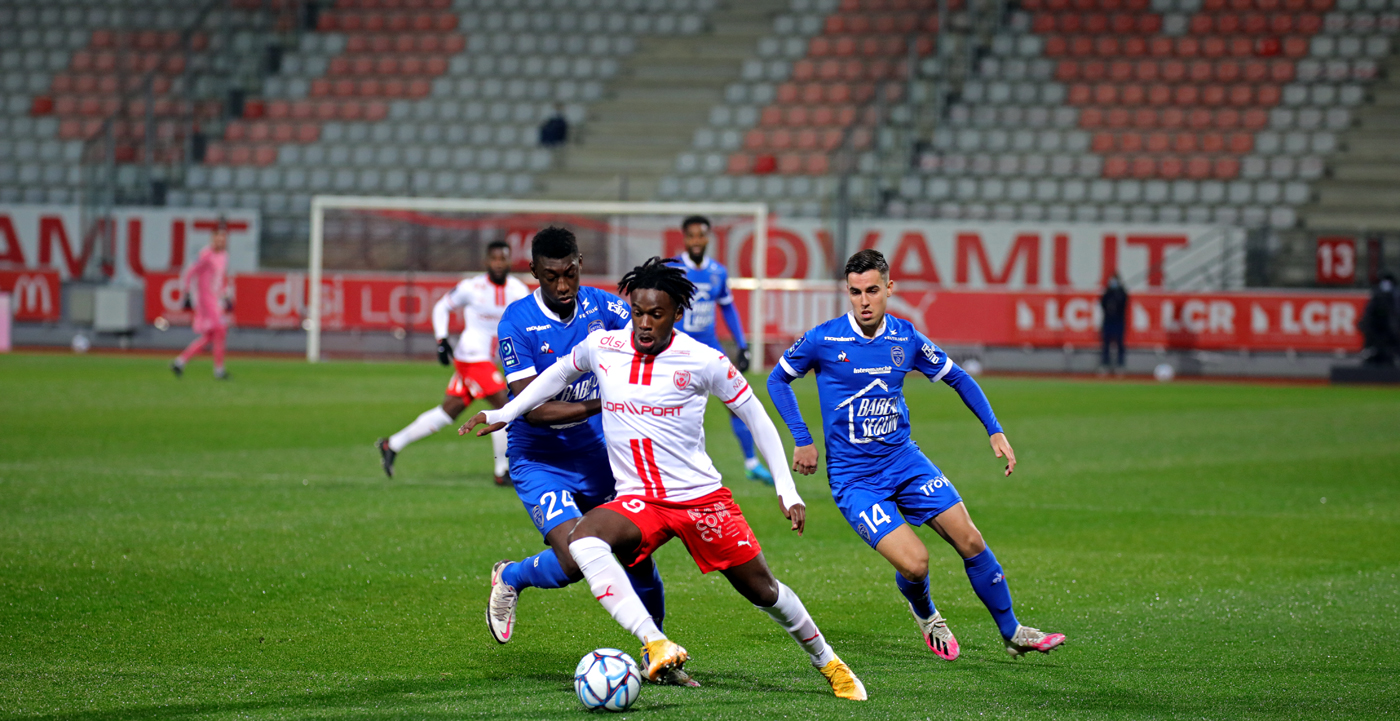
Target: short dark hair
x,y
694,219
868,259
497,245
554,242
659,274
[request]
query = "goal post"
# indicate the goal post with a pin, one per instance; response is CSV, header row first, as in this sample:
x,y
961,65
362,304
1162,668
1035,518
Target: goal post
x,y
615,213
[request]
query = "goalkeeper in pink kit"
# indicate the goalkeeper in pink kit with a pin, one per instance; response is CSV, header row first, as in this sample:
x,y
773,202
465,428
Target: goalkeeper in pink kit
x,y
209,274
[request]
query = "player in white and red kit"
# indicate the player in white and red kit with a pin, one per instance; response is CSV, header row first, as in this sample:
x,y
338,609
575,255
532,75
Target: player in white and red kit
x,y
481,300
654,383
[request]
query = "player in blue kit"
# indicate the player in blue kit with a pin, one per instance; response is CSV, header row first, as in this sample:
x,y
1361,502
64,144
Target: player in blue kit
x,y
559,462
879,477
711,281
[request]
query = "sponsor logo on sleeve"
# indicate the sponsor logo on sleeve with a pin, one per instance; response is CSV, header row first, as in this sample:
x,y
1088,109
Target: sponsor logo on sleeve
x,y
897,355
508,352
792,351
930,353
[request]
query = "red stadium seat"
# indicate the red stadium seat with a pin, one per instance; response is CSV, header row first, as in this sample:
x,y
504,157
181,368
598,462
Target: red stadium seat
x,y
1255,119
1119,118
1130,142
1224,119
1091,118
791,163
1198,168
764,164
1213,95
308,133
1102,143
1121,71
816,164
1094,70
813,93
780,139
1115,166
1225,168
1170,167
1143,166
1144,118
755,140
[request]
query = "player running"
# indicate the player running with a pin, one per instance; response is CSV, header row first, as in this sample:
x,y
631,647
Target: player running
x,y
481,300
879,476
210,273
654,385
711,281
558,460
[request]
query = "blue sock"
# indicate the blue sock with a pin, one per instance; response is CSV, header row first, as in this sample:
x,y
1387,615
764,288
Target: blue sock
x,y
541,570
648,586
990,584
917,593
742,432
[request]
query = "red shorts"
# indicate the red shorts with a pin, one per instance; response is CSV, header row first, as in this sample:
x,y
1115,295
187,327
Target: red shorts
x,y
475,380
712,528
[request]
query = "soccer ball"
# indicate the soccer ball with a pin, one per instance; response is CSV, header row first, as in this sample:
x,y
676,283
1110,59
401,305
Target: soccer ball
x,y
81,344
608,679
1164,372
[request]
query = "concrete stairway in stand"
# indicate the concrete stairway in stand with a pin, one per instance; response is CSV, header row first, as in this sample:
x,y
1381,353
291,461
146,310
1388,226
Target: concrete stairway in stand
x,y
661,95
1363,190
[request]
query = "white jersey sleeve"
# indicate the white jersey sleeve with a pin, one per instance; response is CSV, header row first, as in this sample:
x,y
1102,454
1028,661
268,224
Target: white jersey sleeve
x,y
482,303
456,299
725,382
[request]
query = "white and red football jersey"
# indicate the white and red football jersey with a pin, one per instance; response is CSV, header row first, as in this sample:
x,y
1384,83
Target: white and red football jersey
x,y
482,303
654,411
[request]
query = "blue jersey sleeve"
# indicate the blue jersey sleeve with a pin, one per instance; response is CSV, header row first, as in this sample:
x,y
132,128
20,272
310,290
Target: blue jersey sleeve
x,y
800,357
615,313
936,364
515,349
785,400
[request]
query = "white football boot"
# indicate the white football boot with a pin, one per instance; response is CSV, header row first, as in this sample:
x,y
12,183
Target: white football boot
x,y
1027,639
937,635
500,610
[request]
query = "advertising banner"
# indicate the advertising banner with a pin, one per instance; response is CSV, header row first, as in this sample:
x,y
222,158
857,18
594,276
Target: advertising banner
x,y
50,237
1252,320
36,296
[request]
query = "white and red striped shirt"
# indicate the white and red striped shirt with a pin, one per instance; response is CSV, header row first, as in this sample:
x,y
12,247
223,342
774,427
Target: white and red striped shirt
x,y
482,303
654,411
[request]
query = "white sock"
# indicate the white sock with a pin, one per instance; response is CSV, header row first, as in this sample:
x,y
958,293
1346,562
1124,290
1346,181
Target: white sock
x,y
612,589
426,424
789,613
750,463
498,448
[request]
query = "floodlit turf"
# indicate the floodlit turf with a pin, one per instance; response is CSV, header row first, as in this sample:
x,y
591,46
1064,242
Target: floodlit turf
x,y
194,549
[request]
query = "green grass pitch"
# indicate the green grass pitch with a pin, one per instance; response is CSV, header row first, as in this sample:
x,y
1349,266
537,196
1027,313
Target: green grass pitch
x,y
192,549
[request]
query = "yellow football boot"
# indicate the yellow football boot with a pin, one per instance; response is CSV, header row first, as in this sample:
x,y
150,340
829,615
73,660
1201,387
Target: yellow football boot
x,y
843,681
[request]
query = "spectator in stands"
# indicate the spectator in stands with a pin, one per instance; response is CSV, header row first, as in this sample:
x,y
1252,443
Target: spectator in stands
x,y
555,131
1380,323
1114,303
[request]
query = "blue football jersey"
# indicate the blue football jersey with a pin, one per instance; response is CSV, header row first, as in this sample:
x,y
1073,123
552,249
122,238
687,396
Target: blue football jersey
x,y
711,281
532,338
861,385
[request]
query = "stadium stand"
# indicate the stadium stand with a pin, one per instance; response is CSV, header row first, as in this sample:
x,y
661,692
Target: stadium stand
x,y
1252,112
1173,110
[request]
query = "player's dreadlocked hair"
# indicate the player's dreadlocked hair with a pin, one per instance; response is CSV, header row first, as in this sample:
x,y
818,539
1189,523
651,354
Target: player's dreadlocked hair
x,y
554,243
868,259
658,274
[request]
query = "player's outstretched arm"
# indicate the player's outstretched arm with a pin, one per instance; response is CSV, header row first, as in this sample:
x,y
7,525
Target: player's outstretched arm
x,y
442,310
804,455
976,400
736,329
765,436
544,387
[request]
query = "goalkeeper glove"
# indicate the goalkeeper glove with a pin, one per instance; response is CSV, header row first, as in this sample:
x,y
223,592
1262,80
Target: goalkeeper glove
x,y
444,350
743,363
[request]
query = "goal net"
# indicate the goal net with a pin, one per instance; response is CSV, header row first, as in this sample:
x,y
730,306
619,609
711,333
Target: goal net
x,y
381,263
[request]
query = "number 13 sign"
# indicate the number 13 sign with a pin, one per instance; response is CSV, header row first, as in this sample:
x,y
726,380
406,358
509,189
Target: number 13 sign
x,y
1336,260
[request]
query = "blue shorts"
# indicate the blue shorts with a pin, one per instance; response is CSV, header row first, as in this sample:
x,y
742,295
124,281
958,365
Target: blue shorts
x,y
563,489
907,488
